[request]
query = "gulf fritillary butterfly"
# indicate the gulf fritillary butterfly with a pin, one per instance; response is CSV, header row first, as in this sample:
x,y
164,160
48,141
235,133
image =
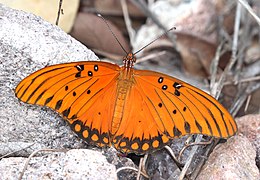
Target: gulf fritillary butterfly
x,y
134,110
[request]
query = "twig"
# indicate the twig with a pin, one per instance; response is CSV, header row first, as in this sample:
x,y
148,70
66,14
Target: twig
x,y
250,10
208,150
140,168
142,5
59,11
214,66
177,162
30,157
243,46
128,23
130,168
194,144
217,89
247,102
242,98
249,79
16,151
234,52
190,158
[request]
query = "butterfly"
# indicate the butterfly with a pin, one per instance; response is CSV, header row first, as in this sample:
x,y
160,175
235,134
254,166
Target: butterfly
x,y
133,110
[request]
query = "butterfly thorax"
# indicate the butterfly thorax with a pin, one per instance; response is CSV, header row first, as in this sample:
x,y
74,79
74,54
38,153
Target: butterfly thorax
x,y
129,60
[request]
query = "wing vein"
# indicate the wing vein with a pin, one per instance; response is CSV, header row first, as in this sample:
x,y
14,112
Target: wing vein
x,y
214,119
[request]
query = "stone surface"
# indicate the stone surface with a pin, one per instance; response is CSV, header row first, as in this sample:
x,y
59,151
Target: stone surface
x,y
250,127
28,43
74,164
234,159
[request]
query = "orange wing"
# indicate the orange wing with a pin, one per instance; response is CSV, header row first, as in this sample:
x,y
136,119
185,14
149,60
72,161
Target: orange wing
x,y
160,107
82,92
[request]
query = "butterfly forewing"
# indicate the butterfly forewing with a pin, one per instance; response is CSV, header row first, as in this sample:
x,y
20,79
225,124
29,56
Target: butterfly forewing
x,y
82,92
182,108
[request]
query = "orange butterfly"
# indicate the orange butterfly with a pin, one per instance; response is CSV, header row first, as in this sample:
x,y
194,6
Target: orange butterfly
x,y
133,110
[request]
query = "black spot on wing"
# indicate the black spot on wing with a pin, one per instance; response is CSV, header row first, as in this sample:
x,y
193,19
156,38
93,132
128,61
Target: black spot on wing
x,y
176,131
77,75
66,112
48,100
39,97
187,127
74,116
198,126
95,67
80,67
58,104
160,80
164,87
90,73
177,93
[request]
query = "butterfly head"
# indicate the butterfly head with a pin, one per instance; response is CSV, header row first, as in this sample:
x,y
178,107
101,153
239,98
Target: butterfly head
x,y
129,60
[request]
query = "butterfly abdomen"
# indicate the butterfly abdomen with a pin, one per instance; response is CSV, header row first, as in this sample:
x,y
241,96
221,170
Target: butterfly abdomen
x,y
123,87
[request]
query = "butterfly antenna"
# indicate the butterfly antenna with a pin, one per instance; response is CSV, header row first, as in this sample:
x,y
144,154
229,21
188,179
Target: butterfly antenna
x,y
99,15
155,40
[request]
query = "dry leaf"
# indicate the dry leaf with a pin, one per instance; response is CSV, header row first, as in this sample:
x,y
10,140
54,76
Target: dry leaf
x,y
197,53
48,10
113,7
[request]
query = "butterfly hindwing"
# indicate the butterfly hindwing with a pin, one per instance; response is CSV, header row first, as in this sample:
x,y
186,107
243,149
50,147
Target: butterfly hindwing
x,y
139,131
82,92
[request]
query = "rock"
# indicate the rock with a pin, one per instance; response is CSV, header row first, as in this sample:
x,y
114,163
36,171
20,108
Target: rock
x,y
28,43
234,159
250,127
74,164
